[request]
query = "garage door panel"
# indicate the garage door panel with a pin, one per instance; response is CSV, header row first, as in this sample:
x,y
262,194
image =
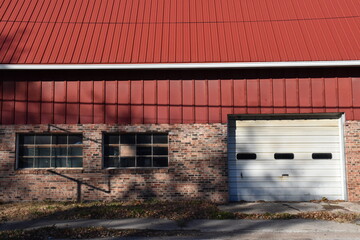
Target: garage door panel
x,y
284,139
269,166
288,123
285,131
284,147
284,191
303,157
285,184
279,197
270,179
290,172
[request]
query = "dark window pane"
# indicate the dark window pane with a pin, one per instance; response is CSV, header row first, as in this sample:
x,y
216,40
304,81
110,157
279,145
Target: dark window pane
x,y
26,139
26,162
75,151
74,162
42,139
27,151
144,138
111,162
42,162
127,162
75,139
59,151
58,162
59,139
246,156
127,138
284,156
42,151
143,162
160,138
160,151
143,150
160,162
111,151
322,156
111,139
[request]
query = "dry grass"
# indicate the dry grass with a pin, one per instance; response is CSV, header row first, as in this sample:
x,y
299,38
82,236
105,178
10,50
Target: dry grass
x,y
320,215
91,232
179,210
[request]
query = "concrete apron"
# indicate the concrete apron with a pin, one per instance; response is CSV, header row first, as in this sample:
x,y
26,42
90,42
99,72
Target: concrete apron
x,y
291,207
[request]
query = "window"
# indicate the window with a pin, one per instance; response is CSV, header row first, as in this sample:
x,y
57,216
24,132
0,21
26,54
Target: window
x,y
284,156
246,156
49,150
135,150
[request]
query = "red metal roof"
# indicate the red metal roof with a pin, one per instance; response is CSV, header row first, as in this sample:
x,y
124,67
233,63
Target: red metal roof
x,y
178,31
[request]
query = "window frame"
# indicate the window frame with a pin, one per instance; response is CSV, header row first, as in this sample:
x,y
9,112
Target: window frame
x,y
104,133
50,146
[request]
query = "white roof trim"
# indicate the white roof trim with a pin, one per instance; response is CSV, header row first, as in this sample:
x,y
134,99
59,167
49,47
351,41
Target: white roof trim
x,y
350,63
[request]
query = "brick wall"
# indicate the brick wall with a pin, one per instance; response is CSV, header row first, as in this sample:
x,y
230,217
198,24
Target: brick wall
x,y
197,166
352,151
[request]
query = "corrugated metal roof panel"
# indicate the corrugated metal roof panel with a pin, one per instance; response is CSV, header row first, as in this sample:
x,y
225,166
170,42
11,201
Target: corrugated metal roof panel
x,y
178,31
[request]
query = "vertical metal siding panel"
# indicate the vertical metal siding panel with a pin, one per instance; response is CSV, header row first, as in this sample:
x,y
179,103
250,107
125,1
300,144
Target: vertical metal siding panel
x,y
8,90
214,92
226,92
253,95
72,102
7,116
292,95
163,101
266,96
279,95
318,96
175,101
150,101
1,100
86,102
124,102
345,97
47,98
110,102
305,101
47,113
137,93
99,98
188,101
59,102
331,93
163,92
226,99
201,111
215,114
34,90
20,112
33,114
240,93
356,97
21,91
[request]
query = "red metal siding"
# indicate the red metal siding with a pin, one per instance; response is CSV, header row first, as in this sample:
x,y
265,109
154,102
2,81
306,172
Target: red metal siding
x,y
172,101
181,31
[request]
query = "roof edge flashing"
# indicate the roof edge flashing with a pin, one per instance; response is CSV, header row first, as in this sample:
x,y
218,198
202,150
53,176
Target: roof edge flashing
x,y
173,66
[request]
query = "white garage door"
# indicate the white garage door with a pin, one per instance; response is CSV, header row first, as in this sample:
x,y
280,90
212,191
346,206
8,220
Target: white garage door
x,y
286,160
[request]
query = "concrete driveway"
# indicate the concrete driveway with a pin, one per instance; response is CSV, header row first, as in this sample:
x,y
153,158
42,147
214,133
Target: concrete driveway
x,y
291,207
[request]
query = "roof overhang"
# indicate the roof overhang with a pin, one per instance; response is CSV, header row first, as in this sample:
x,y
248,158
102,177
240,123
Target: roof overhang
x,y
170,66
